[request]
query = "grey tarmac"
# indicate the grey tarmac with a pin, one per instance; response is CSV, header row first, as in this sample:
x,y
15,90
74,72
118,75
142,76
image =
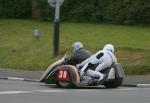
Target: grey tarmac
x,y
14,91
31,92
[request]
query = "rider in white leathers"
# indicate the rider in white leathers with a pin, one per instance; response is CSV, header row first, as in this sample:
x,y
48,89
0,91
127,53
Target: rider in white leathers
x,y
102,59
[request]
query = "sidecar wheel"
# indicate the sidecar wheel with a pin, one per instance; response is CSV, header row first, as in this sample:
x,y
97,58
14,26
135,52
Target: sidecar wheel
x,y
63,84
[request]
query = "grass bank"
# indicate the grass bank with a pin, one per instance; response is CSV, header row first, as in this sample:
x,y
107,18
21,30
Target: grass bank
x,y
20,50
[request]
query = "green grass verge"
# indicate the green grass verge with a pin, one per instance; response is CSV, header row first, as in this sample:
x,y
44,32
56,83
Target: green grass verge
x,y
20,50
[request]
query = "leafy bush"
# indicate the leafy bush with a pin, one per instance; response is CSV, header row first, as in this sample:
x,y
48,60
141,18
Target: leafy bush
x,y
15,8
114,11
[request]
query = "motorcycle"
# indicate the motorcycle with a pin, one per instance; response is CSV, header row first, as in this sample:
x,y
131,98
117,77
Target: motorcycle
x,y
68,76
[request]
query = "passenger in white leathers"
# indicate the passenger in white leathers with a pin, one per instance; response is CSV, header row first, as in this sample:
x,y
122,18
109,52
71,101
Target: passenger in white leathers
x,y
102,60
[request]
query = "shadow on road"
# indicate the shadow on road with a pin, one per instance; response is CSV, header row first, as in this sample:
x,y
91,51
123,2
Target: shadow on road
x,y
81,87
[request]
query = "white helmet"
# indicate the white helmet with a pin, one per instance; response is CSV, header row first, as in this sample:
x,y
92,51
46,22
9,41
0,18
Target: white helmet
x,y
77,45
109,47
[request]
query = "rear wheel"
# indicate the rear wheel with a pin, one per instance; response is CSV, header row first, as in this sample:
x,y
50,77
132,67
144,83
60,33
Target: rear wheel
x,y
119,75
114,83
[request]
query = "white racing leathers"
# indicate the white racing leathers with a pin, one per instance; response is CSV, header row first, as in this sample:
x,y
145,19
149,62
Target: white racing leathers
x,y
102,59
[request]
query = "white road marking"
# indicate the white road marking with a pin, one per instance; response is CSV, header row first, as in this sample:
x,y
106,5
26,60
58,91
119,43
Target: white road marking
x,y
134,88
125,89
14,92
66,90
143,85
32,91
14,78
47,91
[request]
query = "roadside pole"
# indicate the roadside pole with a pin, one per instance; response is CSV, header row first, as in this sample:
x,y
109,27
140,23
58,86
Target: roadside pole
x,y
56,4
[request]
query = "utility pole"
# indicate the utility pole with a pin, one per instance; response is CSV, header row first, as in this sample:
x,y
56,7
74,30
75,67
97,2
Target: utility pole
x,y
56,4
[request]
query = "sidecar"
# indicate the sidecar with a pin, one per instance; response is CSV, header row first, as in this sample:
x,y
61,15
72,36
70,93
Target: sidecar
x,y
67,76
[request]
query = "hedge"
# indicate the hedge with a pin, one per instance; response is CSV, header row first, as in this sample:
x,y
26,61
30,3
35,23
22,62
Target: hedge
x,y
15,9
112,11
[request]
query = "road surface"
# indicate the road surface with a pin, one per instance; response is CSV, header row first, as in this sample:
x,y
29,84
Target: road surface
x,y
30,92
14,91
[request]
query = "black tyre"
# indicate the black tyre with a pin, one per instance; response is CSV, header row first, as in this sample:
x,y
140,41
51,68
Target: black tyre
x,y
114,83
63,84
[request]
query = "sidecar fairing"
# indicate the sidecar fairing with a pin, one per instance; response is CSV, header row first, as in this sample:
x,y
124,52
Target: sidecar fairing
x,y
65,76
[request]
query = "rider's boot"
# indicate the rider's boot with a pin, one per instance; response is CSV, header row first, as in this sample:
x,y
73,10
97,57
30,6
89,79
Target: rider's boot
x,y
102,78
